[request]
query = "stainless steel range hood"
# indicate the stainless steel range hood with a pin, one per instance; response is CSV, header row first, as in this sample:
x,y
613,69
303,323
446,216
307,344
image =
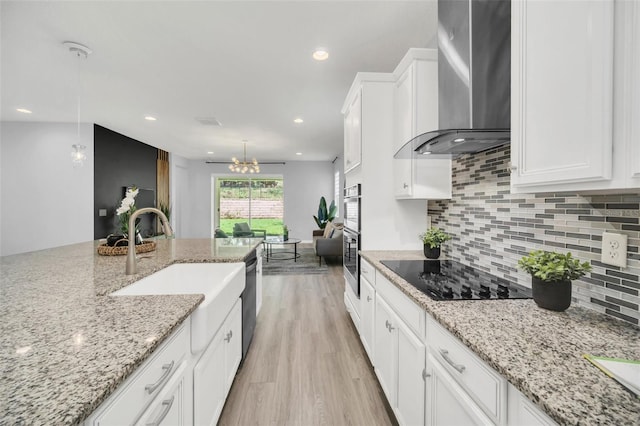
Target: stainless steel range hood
x,y
474,80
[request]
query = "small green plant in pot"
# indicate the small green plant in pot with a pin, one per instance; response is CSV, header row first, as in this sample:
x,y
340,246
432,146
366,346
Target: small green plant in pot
x,y
432,240
551,276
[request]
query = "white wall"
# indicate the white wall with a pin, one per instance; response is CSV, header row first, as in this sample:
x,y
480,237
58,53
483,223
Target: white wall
x,y
304,183
44,200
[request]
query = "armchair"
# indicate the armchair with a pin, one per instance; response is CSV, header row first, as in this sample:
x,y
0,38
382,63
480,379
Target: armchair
x,y
329,244
241,229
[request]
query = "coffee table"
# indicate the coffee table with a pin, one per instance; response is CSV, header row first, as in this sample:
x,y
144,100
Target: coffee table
x,y
285,254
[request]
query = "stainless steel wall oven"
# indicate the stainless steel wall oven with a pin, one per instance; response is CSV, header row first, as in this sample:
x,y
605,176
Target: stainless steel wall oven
x,y
351,238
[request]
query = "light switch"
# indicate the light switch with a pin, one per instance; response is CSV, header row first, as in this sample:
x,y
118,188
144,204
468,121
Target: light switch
x,y
102,212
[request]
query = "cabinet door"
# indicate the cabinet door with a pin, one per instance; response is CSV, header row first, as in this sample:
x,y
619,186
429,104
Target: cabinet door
x,y
523,412
367,318
385,344
232,338
447,403
172,406
208,383
561,91
353,133
411,385
404,131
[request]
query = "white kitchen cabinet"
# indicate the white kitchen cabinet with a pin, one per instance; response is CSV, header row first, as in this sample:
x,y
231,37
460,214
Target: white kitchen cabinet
x,y
172,406
148,386
215,370
574,95
522,412
258,280
353,133
367,317
480,382
400,361
447,403
416,112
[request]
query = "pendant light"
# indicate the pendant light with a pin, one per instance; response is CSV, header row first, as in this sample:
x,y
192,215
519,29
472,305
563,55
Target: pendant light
x,y
238,166
78,154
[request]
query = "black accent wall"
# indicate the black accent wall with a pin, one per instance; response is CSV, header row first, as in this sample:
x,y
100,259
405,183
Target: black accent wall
x,y
120,161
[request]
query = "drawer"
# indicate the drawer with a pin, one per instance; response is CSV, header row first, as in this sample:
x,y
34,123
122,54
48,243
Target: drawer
x,y
483,384
137,392
355,317
368,271
412,314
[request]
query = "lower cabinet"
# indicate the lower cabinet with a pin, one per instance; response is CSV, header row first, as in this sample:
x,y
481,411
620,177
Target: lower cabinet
x,y
367,317
171,407
400,363
524,412
216,369
447,403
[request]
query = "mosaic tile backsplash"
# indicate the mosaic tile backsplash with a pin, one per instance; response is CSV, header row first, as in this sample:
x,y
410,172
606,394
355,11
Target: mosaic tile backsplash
x,y
493,228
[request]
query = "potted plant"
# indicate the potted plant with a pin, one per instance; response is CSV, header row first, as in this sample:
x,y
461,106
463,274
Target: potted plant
x,y
432,240
551,276
325,215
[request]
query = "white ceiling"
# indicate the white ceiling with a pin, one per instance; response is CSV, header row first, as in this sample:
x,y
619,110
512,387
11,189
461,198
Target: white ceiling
x,y
248,64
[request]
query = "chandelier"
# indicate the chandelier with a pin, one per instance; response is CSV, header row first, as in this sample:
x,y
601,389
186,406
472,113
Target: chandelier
x,y
243,166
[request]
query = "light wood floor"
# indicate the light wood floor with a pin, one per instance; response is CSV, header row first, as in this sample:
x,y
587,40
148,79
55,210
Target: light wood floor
x,y
306,365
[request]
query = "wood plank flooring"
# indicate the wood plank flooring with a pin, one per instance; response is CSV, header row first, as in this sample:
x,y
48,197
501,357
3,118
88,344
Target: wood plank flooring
x,y
306,365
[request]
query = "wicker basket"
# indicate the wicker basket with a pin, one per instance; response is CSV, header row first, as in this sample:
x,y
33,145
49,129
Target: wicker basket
x,y
146,246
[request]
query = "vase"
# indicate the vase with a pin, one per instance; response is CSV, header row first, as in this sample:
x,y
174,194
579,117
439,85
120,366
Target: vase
x,y
552,295
431,253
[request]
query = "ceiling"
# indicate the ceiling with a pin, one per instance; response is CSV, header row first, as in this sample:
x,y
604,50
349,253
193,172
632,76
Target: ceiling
x,y
248,64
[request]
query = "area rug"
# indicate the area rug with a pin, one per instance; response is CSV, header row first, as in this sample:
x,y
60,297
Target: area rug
x,y
306,264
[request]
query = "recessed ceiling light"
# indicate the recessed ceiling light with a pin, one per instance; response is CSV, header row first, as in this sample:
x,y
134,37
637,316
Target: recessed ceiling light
x,y
23,110
150,118
209,152
320,54
298,153
426,153
459,140
298,120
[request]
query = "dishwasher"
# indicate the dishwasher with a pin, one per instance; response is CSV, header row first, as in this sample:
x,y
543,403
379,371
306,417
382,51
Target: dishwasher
x,y
248,297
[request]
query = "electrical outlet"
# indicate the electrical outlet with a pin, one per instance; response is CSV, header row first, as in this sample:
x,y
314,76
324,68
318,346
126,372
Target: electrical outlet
x,y
614,249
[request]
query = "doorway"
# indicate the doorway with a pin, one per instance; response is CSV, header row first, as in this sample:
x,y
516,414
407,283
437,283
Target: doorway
x,y
257,201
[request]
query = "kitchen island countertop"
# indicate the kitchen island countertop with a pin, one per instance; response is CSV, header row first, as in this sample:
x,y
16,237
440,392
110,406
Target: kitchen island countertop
x,y
66,344
538,351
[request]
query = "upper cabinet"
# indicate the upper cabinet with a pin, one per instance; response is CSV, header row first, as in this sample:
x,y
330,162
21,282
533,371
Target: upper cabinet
x,y
353,133
572,100
416,112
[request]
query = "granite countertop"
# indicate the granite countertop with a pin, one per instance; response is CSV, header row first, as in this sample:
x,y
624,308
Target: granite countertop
x,y
539,351
65,345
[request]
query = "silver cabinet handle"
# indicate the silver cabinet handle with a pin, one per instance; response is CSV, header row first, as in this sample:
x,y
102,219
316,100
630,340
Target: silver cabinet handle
x,y
425,374
229,336
167,367
458,367
389,326
167,403
368,298
405,186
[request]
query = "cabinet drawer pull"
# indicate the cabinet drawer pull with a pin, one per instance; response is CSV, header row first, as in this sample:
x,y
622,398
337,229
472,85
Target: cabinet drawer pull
x,y
458,367
167,403
368,298
168,368
389,326
405,186
229,336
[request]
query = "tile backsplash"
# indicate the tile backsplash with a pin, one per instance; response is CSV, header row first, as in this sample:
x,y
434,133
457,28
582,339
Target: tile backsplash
x,y
493,228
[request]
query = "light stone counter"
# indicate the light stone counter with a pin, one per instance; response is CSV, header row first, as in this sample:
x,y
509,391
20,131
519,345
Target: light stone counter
x,y
539,351
65,345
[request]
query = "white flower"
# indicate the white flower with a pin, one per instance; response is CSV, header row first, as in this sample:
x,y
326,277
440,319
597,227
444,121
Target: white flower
x,y
122,209
128,201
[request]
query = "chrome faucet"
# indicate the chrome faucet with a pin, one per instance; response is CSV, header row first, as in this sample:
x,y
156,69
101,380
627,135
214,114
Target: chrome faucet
x,y
132,267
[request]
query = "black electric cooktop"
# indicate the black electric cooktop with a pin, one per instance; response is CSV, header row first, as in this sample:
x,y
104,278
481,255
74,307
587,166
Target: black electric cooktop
x,y
450,280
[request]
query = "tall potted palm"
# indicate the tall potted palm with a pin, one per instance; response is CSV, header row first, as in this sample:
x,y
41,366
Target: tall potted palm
x,y
325,215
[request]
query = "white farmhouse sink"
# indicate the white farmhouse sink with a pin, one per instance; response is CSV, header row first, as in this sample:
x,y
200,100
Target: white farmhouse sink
x,y
221,284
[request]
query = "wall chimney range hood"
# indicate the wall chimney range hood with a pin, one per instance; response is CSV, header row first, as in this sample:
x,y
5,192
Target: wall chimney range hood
x,y
474,80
